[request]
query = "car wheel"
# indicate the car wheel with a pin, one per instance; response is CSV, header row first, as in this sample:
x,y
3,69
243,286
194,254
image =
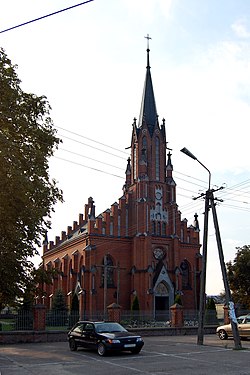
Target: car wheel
x,y
135,351
222,334
101,349
72,345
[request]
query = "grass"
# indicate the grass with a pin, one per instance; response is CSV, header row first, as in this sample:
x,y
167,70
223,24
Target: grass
x,y
7,324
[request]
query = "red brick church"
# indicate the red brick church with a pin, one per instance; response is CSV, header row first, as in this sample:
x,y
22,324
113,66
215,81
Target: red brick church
x,y
140,246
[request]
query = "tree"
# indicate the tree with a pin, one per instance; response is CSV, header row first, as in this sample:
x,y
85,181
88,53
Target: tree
x,y
24,318
135,304
59,303
210,313
135,308
41,276
59,313
178,299
238,273
27,195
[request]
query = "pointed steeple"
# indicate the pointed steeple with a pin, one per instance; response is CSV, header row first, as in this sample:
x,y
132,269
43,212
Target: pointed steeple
x,y
196,223
148,113
169,169
169,163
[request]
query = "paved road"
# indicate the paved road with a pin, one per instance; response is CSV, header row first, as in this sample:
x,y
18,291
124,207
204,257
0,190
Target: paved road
x,y
162,355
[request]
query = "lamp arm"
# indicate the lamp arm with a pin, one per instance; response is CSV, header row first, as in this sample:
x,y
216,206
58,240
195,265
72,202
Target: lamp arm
x,y
209,184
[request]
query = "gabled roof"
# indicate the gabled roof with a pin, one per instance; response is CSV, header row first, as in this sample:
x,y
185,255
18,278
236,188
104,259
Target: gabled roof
x,y
148,113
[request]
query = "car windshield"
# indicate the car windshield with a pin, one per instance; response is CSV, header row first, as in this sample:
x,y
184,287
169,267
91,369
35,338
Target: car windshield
x,y
109,327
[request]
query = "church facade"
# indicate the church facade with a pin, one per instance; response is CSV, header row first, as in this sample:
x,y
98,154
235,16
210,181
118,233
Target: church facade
x,y
139,247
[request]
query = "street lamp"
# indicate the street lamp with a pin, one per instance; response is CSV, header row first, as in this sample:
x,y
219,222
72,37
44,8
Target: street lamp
x,y
204,255
188,153
209,202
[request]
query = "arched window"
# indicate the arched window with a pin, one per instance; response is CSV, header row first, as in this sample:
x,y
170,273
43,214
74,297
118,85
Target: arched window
x,y
153,227
158,228
182,235
135,163
144,148
119,225
172,194
185,272
109,271
162,289
157,159
111,228
164,229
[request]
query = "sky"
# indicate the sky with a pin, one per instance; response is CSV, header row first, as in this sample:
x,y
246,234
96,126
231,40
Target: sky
x,y
90,62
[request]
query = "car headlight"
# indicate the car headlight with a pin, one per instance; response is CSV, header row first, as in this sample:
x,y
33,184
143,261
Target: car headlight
x,y
139,339
113,341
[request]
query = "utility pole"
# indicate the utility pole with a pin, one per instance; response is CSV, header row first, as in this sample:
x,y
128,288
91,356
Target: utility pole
x,y
229,301
105,287
118,283
105,268
209,202
203,274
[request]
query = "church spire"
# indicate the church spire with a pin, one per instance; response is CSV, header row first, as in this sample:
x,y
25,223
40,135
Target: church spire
x,y
148,113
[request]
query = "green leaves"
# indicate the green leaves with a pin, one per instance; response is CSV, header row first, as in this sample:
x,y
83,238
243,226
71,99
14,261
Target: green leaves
x,y
238,273
27,195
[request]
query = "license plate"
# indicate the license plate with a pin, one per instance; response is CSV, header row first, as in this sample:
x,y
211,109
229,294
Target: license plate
x,y
129,345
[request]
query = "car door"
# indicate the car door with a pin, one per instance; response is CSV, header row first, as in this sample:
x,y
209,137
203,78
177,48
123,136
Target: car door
x,y
88,336
76,333
244,327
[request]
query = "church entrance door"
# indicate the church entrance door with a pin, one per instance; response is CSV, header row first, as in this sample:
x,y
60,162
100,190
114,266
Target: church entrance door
x,y
161,302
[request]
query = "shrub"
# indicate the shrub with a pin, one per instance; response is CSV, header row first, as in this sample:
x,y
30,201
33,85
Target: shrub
x,y
210,313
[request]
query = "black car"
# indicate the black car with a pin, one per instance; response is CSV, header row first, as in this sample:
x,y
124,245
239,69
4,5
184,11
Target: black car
x,y
103,337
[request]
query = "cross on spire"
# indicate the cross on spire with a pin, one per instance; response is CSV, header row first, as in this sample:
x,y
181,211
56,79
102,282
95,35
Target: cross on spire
x,y
147,37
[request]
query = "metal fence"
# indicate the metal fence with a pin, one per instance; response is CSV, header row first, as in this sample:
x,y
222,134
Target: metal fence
x,y
140,319
61,319
18,321
64,320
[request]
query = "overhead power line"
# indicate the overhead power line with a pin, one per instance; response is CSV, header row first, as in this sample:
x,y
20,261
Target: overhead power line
x,y
228,194
87,157
87,166
90,139
47,15
190,182
85,144
194,178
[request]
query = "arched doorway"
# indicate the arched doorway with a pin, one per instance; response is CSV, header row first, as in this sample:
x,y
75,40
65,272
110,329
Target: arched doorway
x,y
161,301
163,293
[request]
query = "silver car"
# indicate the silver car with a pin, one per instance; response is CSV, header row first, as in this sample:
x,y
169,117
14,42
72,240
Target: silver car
x,y
225,331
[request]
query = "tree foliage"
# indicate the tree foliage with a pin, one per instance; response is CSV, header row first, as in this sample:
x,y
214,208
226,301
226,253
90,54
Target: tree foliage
x,y
135,304
59,303
58,314
35,287
27,195
238,273
178,299
210,312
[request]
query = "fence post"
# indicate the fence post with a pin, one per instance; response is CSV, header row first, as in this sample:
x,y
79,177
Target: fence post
x,y
114,312
39,312
176,315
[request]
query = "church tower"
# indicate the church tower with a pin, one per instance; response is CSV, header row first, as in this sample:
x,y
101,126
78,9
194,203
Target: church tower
x,y
150,187
153,216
